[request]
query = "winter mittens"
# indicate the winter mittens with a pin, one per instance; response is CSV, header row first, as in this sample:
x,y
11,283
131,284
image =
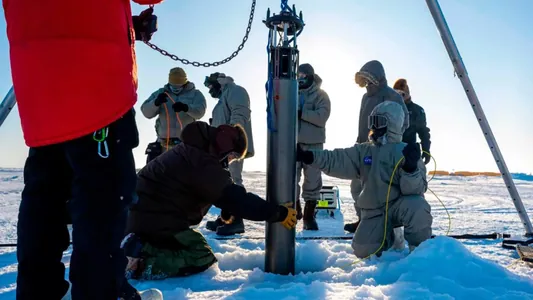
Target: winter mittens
x,y
178,106
161,98
427,157
411,154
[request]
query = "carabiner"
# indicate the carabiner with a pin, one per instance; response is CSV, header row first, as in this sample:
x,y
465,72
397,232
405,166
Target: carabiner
x,y
103,134
106,149
102,139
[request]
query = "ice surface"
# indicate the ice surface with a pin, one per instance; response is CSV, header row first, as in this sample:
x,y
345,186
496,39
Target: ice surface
x,y
442,268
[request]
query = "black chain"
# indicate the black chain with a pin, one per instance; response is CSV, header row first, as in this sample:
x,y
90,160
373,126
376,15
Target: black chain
x,y
216,63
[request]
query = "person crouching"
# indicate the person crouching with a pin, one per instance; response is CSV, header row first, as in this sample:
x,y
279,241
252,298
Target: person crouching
x,y
393,188
176,190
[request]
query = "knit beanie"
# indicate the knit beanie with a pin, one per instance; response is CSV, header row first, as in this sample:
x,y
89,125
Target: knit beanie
x,y
231,138
401,84
177,76
306,69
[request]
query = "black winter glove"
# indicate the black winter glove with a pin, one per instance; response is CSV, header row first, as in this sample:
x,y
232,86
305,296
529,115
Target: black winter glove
x,y
145,24
299,114
210,121
178,106
411,154
427,157
303,155
161,98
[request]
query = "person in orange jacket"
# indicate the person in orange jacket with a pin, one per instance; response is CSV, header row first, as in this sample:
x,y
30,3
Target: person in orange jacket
x,y
75,79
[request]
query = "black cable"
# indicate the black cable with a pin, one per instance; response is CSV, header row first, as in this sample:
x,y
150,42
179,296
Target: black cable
x,y
332,238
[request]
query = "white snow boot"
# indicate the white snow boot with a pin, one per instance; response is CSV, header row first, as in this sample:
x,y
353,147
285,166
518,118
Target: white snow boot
x,y
399,240
151,294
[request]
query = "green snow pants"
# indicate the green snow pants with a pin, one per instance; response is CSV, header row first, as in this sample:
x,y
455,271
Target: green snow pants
x,y
193,255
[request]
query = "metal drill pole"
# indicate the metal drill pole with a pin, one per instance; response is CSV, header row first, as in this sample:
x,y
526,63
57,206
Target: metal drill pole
x,y
281,140
460,69
7,105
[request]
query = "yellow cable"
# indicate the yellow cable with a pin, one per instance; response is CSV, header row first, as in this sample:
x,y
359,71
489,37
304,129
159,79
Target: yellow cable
x,y
386,214
449,217
387,206
514,263
434,194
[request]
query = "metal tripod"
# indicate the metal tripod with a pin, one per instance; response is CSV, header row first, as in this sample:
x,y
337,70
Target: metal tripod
x,y
460,69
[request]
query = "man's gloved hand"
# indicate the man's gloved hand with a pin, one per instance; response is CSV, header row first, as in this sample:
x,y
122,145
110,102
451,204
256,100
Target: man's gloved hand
x,y
303,155
287,216
145,24
161,98
426,157
179,106
411,154
299,114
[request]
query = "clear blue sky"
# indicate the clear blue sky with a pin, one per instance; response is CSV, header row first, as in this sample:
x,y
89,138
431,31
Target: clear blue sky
x,y
495,39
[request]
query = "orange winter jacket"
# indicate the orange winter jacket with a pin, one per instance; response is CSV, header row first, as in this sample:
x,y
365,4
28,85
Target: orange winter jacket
x,y
73,65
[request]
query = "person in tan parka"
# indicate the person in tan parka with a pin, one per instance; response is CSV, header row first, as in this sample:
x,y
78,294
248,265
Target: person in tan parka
x,y
373,163
372,77
233,107
314,109
175,105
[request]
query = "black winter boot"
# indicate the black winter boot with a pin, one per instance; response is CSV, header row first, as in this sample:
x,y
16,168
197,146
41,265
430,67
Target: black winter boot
x,y
351,227
230,229
309,216
298,210
213,225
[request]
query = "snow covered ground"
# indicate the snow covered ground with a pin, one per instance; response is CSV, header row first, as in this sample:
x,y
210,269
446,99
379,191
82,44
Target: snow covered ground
x,y
442,268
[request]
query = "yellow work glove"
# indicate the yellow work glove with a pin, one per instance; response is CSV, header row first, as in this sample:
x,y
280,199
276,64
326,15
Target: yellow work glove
x,y
290,220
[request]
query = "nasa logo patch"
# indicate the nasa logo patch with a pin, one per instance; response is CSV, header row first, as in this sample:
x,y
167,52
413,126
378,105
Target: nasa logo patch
x,y
367,160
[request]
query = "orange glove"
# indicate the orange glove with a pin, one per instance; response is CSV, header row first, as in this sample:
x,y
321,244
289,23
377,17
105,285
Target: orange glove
x,y
290,220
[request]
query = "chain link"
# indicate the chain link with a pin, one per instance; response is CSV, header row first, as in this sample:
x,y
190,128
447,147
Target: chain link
x,y
216,63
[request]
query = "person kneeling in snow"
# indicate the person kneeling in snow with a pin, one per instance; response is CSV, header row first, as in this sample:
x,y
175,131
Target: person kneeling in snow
x,y
176,190
373,163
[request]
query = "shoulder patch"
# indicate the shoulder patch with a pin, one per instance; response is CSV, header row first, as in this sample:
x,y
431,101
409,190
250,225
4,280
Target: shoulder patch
x,y
367,160
422,111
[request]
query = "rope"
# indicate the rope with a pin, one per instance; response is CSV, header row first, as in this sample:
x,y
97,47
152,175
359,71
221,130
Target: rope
x,y
168,125
285,6
328,238
168,120
269,88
